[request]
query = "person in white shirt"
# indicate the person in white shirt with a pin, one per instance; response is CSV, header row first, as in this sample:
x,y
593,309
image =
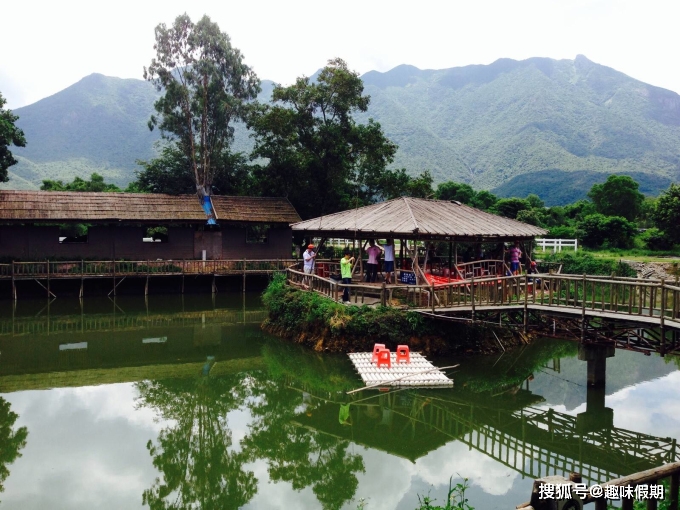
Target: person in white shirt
x,y
388,267
308,256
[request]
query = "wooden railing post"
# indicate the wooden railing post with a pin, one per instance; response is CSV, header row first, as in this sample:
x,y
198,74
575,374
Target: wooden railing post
x,y
472,295
662,318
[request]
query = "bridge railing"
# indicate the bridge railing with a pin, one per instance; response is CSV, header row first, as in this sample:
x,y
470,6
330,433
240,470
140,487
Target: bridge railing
x,y
621,296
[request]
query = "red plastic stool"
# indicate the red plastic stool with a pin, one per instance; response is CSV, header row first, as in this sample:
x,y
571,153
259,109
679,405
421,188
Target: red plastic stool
x,y
384,358
376,350
403,354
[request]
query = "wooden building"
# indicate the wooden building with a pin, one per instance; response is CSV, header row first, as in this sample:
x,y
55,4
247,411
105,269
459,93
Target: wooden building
x,y
39,225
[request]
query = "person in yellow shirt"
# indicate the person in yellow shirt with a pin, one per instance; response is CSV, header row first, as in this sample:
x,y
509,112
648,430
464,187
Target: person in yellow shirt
x,y
346,273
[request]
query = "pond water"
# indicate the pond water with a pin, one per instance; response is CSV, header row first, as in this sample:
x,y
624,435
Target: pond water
x,y
186,403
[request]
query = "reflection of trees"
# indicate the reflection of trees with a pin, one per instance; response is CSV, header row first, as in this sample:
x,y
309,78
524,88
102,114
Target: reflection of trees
x,y
11,441
193,453
295,454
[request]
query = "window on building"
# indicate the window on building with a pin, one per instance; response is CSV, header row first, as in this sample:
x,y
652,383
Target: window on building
x,y
155,235
75,233
257,234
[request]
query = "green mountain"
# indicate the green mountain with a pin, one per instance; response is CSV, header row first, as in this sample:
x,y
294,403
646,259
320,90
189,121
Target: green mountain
x,y
96,125
488,125
551,127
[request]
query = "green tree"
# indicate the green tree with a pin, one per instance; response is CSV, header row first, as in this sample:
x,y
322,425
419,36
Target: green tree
x,y
667,212
484,200
597,229
317,155
9,135
205,87
172,173
510,207
460,192
95,184
531,216
617,196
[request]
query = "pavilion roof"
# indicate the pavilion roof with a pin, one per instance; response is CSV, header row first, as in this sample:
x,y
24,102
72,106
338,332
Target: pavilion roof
x,y
69,206
418,218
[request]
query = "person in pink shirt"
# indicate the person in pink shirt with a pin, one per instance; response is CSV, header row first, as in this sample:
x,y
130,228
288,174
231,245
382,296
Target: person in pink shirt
x,y
373,252
515,254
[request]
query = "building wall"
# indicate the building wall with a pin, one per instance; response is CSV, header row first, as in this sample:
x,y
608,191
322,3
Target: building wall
x,y
278,245
125,242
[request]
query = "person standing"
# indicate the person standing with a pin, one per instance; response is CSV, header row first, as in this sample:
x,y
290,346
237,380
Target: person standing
x,y
346,273
373,252
515,254
308,256
388,247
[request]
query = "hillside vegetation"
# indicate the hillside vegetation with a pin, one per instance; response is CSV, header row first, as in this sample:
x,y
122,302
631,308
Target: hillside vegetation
x,y
566,123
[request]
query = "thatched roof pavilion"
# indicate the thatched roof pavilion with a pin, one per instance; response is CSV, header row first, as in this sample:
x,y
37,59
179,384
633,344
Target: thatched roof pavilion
x,y
418,219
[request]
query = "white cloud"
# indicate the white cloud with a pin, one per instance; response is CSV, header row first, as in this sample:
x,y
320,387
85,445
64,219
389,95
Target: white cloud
x,y
54,44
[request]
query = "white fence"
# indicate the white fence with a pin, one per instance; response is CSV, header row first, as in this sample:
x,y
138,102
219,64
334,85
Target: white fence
x,y
556,245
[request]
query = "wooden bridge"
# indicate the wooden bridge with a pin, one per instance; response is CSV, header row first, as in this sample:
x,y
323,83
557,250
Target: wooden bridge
x,y
642,303
45,272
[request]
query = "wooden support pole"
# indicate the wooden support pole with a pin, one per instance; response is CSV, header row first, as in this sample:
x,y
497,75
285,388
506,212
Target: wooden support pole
x,y
113,265
526,303
82,277
673,493
146,285
48,282
14,287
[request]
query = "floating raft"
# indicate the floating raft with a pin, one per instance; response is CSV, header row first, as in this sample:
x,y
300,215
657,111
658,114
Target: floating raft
x,y
371,374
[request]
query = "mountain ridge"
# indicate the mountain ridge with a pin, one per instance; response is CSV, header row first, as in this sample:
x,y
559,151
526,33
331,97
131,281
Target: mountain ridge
x,y
486,125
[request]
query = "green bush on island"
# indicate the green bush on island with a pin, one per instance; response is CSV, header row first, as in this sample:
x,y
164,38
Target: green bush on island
x,y
314,320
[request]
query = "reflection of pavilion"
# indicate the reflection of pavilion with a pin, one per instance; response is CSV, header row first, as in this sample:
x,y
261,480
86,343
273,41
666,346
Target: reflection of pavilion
x,y
533,441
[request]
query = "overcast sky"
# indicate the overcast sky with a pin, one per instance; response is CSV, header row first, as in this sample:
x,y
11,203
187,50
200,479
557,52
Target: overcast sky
x,y
47,46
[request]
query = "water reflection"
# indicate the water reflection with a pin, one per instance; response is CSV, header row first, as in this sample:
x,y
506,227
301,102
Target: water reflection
x,y
198,467
236,409
11,440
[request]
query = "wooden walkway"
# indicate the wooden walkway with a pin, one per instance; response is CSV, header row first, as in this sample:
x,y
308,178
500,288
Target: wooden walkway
x,y
118,270
647,302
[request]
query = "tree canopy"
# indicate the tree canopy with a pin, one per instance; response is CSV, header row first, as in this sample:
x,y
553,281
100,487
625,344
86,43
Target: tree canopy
x,y
617,196
96,183
206,87
316,153
667,212
10,134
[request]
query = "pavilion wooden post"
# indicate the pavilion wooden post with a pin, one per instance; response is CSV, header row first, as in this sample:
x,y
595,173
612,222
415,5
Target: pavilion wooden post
x,y
450,257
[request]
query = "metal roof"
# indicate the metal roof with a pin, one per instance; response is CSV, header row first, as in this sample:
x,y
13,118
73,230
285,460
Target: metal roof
x,y
418,218
47,206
